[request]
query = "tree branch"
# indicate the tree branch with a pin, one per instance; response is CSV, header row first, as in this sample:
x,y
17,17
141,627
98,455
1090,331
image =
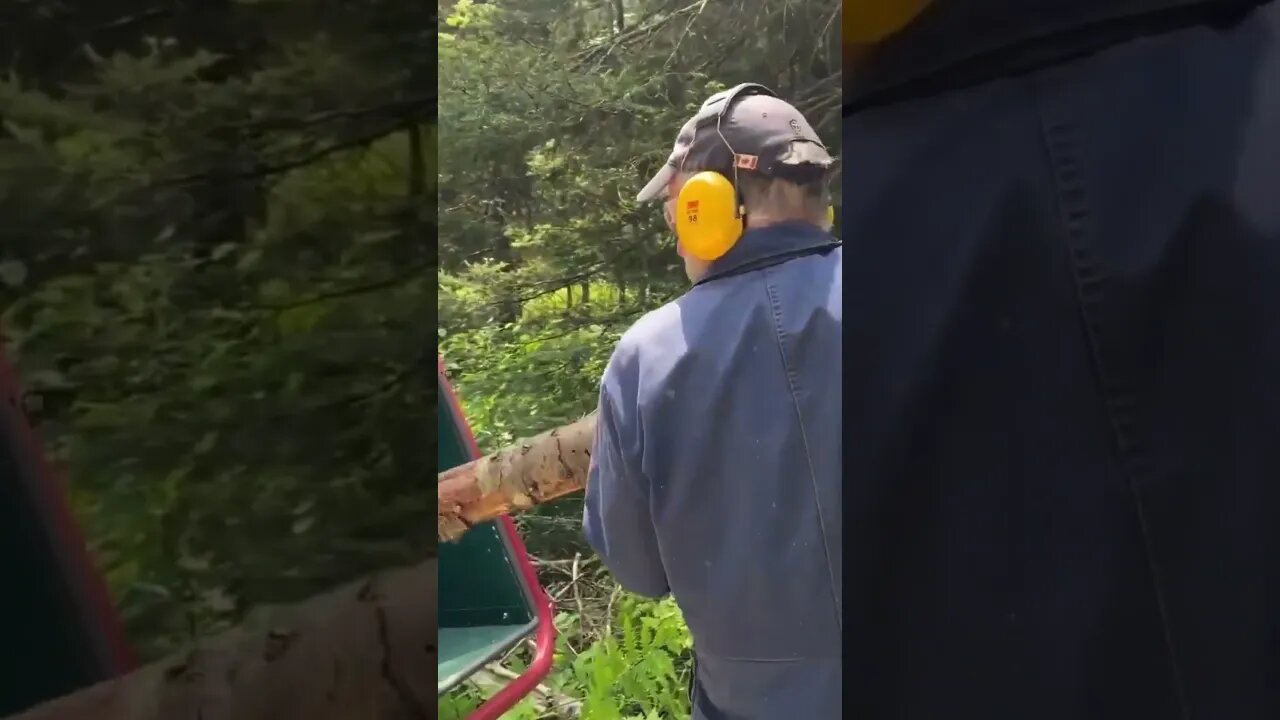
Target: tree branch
x,y
364,288
398,108
268,169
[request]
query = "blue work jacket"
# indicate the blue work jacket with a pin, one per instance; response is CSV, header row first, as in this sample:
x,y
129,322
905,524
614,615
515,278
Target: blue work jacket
x,y
716,474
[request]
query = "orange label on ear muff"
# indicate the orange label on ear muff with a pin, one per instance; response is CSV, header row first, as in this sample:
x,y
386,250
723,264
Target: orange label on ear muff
x,y
691,211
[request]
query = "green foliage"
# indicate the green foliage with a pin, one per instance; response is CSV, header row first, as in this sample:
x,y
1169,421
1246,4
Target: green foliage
x,y
635,669
215,273
553,114
459,704
641,671
539,372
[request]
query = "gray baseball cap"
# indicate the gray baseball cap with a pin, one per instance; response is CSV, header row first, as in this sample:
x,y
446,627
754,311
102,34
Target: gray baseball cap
x,y
747,127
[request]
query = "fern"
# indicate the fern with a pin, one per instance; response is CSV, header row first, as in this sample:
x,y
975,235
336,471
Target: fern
x,y
639,671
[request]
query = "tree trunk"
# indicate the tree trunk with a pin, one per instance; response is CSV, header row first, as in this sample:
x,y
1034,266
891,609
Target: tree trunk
x,y
417,165
529,473
619,18
364,651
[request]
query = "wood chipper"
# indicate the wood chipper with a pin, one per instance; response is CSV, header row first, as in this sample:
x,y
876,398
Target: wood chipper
x,y
59,631
490,598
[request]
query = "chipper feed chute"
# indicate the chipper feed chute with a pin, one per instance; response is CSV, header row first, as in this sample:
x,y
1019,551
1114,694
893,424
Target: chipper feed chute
x,y
490,598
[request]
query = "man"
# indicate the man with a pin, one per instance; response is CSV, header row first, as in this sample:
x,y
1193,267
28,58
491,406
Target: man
x,y
1063,406
716,470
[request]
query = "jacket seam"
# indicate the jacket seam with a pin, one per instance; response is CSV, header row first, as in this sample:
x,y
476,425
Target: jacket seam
x,y
793,387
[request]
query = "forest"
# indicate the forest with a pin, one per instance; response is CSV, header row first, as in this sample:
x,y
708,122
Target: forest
x,y
220,222
215,274
553,113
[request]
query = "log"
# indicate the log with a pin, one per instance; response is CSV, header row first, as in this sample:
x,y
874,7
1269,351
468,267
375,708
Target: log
x,y
366,651
527,474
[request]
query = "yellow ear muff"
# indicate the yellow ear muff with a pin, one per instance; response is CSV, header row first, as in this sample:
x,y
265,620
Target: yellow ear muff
x,y
831,215
707,219
870,21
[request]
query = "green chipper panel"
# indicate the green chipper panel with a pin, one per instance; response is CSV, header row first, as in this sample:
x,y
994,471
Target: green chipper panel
x,y
490,598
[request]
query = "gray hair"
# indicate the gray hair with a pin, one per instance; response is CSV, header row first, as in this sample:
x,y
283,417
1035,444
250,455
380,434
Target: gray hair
x,y
798,188
779,197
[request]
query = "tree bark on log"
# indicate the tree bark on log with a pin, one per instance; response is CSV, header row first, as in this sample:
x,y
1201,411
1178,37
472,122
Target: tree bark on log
x,y
529,473
366,651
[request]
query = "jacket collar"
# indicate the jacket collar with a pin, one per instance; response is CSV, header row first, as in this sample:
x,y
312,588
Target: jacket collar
x,y
770,245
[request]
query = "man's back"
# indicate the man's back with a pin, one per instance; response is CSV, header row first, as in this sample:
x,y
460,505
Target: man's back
x,y
736,386
1063,403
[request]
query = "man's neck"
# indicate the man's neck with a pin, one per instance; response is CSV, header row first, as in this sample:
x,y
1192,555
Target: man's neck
x,y
759,222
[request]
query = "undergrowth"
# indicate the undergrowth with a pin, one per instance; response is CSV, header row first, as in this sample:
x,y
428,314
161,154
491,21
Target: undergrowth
x,y
618,656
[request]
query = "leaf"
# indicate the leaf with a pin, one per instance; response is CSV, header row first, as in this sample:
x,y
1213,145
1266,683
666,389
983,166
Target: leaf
x,y
249,260
301,319
218,600
23,134
13,273
274,291
193,564
378,236
223,250
207,443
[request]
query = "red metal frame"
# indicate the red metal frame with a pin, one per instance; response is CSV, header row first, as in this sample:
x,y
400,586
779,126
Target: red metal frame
x,y
86,578
545,639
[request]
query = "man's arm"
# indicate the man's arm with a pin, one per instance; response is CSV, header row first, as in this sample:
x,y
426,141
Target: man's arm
x,y
616,518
